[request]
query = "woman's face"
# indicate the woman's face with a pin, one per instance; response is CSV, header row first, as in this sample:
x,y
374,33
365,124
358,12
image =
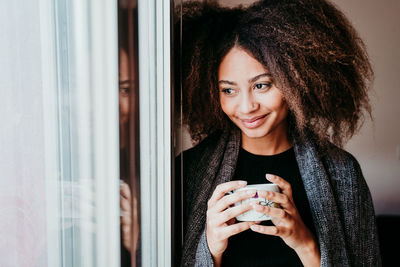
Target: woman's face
x,y
249,96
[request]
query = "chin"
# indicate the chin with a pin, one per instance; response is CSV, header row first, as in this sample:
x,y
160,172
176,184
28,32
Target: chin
x,y
255,133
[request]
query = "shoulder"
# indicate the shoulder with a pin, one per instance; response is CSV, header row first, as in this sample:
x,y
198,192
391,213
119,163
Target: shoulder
x,y
355,205
340,158
191,164
309,151
344,169
198,151
193,160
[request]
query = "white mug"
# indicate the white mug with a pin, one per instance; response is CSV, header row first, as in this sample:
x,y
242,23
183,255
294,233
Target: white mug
x,y
253,215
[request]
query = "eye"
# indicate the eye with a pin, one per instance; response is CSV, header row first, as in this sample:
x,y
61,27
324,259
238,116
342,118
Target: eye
x,y
228,91
124,90
262,86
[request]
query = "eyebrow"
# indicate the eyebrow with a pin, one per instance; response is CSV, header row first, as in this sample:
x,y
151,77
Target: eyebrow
x,y
255,78
259,76
125,82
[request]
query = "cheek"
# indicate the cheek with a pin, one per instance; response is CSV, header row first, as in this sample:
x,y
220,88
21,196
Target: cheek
x,y
281,108
223,104
280,105
274,101
124,105
227,105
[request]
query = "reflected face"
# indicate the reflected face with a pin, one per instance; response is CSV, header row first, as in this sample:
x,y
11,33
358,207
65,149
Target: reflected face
x,y
124,87
249,97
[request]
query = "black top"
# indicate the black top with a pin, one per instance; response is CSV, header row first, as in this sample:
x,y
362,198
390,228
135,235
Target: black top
x,y
254,249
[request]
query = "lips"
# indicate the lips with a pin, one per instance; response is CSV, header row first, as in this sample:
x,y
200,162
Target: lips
x,y
254,122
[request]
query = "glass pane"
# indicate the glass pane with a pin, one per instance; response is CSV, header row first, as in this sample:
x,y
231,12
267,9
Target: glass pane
x,y
87,132
60,175
22,160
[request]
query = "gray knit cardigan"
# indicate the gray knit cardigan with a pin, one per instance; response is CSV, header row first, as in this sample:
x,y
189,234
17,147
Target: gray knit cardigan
x,y
339,198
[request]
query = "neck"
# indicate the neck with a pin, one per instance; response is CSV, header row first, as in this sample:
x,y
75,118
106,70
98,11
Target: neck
x,y
274,143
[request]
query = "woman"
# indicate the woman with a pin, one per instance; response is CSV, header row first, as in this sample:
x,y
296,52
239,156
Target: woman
x,y
285,85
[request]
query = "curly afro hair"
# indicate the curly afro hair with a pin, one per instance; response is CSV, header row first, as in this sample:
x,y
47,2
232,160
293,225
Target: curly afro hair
x,y
315,56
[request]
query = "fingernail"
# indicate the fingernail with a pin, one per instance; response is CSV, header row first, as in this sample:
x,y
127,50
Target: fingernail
x,y
270,176
254,227
242,182
251,192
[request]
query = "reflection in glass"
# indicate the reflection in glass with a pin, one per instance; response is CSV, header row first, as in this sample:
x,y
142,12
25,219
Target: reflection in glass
x,y
128,132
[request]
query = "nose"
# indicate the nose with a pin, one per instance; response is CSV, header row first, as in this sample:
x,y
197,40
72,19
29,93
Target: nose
x,y
248,103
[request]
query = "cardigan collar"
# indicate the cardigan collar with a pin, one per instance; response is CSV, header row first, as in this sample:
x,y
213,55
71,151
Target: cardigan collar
x,y
324,210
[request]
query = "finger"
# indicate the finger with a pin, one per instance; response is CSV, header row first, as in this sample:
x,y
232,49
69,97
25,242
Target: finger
x,y
285,187
224,188
125,191
135,209
125,205
229,200
276,197
126,219
234,229
126,231
273,212
233,212
266,230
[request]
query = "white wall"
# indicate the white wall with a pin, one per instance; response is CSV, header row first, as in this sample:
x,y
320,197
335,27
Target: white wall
x,y
377,145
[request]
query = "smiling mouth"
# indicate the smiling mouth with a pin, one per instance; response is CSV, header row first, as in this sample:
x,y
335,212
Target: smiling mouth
x,y
254,122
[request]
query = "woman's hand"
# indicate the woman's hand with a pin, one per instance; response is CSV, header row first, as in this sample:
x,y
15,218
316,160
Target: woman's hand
x,y
129,219
288,223
221,218
126,216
